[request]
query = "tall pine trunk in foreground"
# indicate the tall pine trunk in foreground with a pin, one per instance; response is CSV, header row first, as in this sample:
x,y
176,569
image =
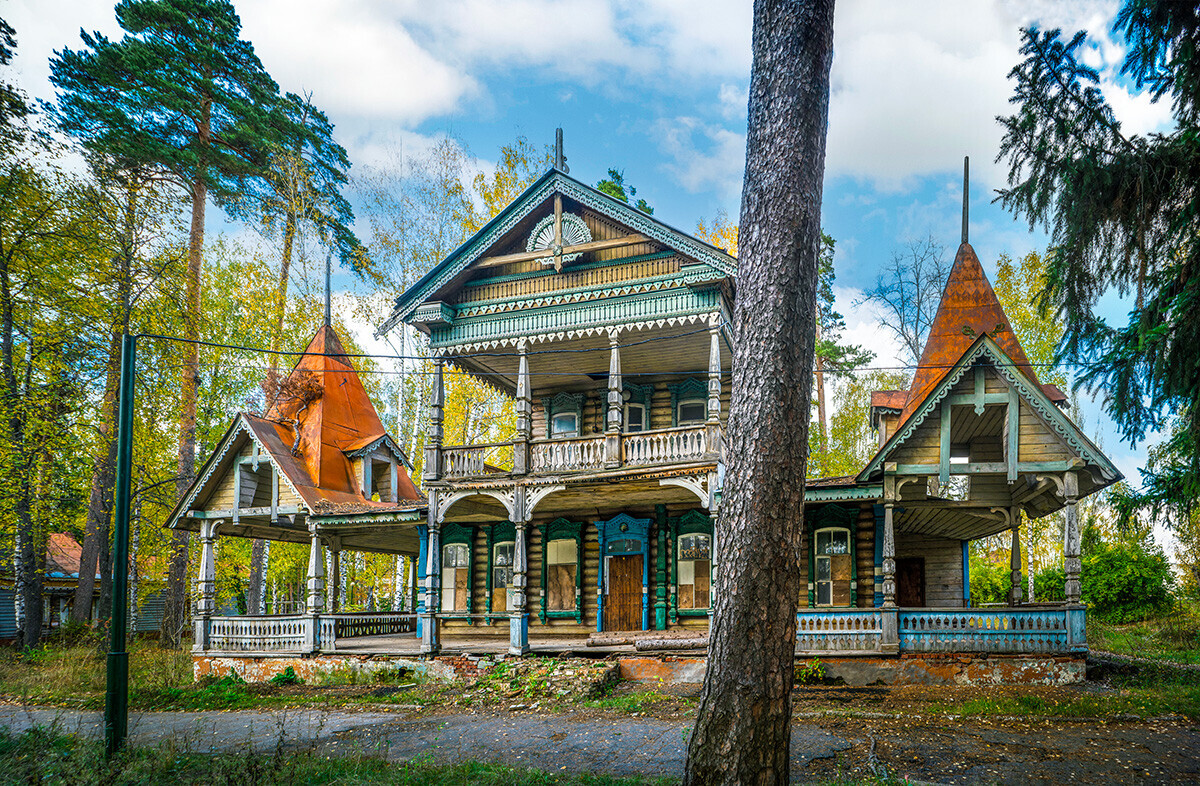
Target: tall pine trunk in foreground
x,y
743,727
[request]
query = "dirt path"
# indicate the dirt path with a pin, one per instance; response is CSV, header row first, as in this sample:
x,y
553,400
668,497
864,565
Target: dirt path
x,y
1013,751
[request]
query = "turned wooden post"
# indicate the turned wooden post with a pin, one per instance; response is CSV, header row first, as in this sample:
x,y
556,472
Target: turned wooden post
x,y
1014,594
518,621
433,435
712,430
1072,539
616,402
206,583
524,416
430,643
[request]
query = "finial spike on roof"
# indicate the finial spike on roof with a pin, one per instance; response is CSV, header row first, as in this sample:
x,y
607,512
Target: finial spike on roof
x,y
560,159
966,194
328,289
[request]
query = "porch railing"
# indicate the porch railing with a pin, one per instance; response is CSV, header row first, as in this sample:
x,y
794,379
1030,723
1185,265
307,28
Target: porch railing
x,y
1011,630
295,633
665,446
283,633
565,455
839,630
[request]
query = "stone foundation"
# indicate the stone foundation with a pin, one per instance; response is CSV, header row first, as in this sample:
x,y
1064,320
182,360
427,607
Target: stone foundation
x,y
261,668
908,669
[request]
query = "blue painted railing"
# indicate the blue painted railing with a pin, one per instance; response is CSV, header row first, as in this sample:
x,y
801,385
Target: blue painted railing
x,y
838,630
984,630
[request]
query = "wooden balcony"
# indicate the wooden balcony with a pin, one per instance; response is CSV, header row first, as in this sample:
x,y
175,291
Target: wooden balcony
x,y
655,448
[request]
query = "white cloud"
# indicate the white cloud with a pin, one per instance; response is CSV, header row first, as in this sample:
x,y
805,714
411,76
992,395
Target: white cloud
x,y
356,57
703,155
865,328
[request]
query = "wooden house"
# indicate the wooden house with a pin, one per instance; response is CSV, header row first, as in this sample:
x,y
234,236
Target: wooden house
x,y
610,330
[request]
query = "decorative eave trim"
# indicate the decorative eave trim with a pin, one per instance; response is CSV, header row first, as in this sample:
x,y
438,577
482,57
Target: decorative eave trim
x,y
870,491
433,312
553,181
1033,396
386,441
450,349
238,426
576,295
416,515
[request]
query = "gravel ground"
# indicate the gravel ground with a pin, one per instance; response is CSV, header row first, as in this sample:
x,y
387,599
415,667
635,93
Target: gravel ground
x,y
971,751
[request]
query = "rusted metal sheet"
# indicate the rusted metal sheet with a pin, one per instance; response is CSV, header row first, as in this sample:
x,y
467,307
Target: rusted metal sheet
x,y
968,309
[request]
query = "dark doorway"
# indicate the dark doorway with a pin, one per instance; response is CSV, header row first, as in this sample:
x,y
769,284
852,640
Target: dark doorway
x,y
623,606
910,582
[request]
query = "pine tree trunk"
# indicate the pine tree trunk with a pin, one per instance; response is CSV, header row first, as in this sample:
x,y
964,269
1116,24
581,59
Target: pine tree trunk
x,y
743,726
175,612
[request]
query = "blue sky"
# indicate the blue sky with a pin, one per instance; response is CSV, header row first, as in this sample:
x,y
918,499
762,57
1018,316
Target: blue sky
x,y
658,89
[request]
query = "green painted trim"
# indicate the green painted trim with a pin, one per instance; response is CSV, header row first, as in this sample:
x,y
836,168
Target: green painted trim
x,y
833,517
567,318
691,388
692,522
695,612
981,397
562,529
455,534
560,296
564,403
660,568
989,467
864,492
973,399
944,444
497,533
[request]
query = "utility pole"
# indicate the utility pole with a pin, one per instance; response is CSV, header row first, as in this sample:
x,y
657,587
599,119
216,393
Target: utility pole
x,y
116,699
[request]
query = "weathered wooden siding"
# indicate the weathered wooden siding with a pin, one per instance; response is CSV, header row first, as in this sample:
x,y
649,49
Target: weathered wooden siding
x,y
595,405
943,567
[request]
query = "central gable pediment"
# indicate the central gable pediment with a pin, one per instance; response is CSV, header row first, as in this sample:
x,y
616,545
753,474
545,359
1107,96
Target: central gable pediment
x,y
511,259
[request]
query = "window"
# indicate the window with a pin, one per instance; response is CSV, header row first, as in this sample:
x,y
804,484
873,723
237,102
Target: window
x,y
635,417
562,558
502,571
456,576
564,425
695,570
833,567
691,412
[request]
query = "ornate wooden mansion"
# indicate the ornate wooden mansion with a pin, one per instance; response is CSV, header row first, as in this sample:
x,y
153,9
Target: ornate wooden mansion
x,y
610,331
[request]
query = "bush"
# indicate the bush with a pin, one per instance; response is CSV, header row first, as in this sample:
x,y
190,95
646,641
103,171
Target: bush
x,y
1125,582
1048,585
287,677
990,582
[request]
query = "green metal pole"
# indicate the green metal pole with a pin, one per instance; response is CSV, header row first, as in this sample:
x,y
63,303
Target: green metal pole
x,y
116,699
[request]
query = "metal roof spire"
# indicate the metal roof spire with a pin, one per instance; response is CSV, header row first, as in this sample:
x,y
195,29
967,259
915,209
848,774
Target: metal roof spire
x,y
560,159
328,289
966,194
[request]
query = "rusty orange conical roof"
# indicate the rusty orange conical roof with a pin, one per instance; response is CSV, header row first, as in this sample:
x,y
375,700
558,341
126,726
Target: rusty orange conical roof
x,y
325,400
969,309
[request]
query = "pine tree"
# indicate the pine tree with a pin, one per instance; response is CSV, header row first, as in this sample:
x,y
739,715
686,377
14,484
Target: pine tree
x,y
1124,214
743,725
181,91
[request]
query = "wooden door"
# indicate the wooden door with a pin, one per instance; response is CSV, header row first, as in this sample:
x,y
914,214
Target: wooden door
x,y
910,582
623,606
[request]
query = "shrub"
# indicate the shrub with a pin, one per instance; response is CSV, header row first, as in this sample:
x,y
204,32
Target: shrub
x,y
1048,585
287,677
1126,582
811,673
990,582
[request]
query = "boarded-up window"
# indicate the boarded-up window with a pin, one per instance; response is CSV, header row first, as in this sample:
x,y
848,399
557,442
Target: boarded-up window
x,y
456,576
502,573
834,567
562,560
694,571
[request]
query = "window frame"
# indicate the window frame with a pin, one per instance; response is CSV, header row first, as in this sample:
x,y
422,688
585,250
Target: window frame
x,y
689,391
503,532
561,529
456,535
693,522
563,404
831,517
637,396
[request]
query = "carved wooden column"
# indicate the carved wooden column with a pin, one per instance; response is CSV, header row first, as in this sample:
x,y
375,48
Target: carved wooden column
x,y
616,403
206,583
1072,539
316,575
518,621
524,416
660,568
712,429
335,575
1014,594
430,642
889,642
433,435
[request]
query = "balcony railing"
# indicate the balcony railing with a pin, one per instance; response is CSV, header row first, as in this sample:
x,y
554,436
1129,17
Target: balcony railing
x,y
580,454
567,455
665,446
839,630
984,630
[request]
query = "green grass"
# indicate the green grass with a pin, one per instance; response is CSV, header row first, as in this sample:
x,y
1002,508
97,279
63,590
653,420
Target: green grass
x,y
635,701
1142,702
43,756
1175,637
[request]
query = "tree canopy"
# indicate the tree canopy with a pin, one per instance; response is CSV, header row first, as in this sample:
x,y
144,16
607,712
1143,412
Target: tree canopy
x,y
1123,211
